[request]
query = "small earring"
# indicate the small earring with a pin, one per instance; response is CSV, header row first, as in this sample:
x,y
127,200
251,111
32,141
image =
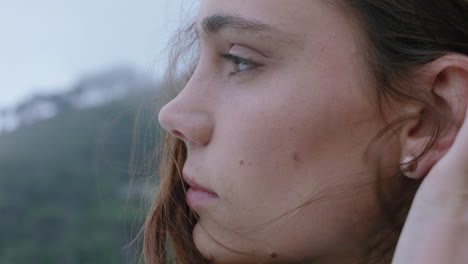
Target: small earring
x,y
408,164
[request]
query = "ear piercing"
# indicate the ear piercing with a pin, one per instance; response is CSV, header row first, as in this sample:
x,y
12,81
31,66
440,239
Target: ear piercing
x,y
408,164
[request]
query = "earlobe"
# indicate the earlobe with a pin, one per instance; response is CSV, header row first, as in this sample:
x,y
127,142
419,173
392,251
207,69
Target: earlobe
x,y
426,140
415,137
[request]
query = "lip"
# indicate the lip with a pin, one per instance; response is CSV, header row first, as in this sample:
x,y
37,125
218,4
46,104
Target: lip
x,y
198,195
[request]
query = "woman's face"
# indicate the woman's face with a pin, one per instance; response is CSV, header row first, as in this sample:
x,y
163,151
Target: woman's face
x,y
276,119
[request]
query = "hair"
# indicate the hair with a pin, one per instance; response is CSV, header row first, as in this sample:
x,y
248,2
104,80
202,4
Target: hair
x,y
401,35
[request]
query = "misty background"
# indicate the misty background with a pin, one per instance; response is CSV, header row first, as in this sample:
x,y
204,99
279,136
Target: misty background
x,y
80,86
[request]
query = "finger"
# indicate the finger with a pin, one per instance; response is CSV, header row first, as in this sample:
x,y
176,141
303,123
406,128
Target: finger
x,y
457,155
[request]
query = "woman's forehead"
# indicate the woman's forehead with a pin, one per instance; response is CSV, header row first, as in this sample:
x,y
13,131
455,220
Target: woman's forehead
x,y
297,23
294,17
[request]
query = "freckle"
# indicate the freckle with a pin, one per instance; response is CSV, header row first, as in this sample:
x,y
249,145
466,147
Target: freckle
x,y
250,163
273,255
296,157
241,162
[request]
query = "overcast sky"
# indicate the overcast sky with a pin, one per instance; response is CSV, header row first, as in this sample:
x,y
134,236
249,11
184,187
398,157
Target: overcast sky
x,y
47,45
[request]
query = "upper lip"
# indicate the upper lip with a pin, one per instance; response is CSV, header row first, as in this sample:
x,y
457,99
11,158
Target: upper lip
x,y
195,185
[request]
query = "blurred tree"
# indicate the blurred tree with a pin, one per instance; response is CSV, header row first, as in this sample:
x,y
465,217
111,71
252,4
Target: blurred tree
x,y
63,186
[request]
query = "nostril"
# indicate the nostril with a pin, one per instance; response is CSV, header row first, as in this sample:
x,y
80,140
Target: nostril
x,y
177,134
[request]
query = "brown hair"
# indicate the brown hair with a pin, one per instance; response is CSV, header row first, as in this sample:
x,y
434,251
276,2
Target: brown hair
x,y
401,34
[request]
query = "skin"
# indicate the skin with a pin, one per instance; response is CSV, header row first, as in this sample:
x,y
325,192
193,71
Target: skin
x,y
287,131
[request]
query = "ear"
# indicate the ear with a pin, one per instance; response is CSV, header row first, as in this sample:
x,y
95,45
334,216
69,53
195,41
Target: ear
x,y
446,81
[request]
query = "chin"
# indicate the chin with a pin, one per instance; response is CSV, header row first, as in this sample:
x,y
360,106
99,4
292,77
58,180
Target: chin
x,y
221,252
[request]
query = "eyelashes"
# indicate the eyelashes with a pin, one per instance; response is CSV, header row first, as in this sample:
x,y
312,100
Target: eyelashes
x,y
240,65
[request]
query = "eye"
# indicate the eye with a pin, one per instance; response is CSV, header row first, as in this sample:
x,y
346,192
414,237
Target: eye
x,y
239,64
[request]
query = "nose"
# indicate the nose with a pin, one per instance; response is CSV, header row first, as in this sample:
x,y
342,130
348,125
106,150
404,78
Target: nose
x,y
188,116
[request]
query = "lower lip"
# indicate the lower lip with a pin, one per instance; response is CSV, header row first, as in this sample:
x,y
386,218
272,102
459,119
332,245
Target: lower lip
x,y
196,198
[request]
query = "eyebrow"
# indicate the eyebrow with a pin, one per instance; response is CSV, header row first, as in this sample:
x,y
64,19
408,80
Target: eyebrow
x,y
216,23
213,24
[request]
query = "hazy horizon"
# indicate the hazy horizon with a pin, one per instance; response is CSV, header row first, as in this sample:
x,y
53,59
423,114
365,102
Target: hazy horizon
x,y
48,45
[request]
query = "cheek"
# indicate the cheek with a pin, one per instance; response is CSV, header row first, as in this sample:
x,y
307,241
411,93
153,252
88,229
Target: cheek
x,y
280,152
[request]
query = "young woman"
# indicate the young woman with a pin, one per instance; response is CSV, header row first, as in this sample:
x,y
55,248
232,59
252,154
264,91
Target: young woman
x,y
308,130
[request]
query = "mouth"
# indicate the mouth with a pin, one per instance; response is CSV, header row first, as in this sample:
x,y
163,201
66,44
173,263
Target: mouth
x,y
198,195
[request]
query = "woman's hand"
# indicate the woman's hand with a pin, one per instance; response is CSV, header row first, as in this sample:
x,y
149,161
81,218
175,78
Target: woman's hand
x,y
436,230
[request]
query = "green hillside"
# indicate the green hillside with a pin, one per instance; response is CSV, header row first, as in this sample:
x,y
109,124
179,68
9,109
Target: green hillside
x,y
64,186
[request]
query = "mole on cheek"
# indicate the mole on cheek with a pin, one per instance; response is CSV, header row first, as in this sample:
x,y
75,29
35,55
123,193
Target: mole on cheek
x,y
241,162
296,157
